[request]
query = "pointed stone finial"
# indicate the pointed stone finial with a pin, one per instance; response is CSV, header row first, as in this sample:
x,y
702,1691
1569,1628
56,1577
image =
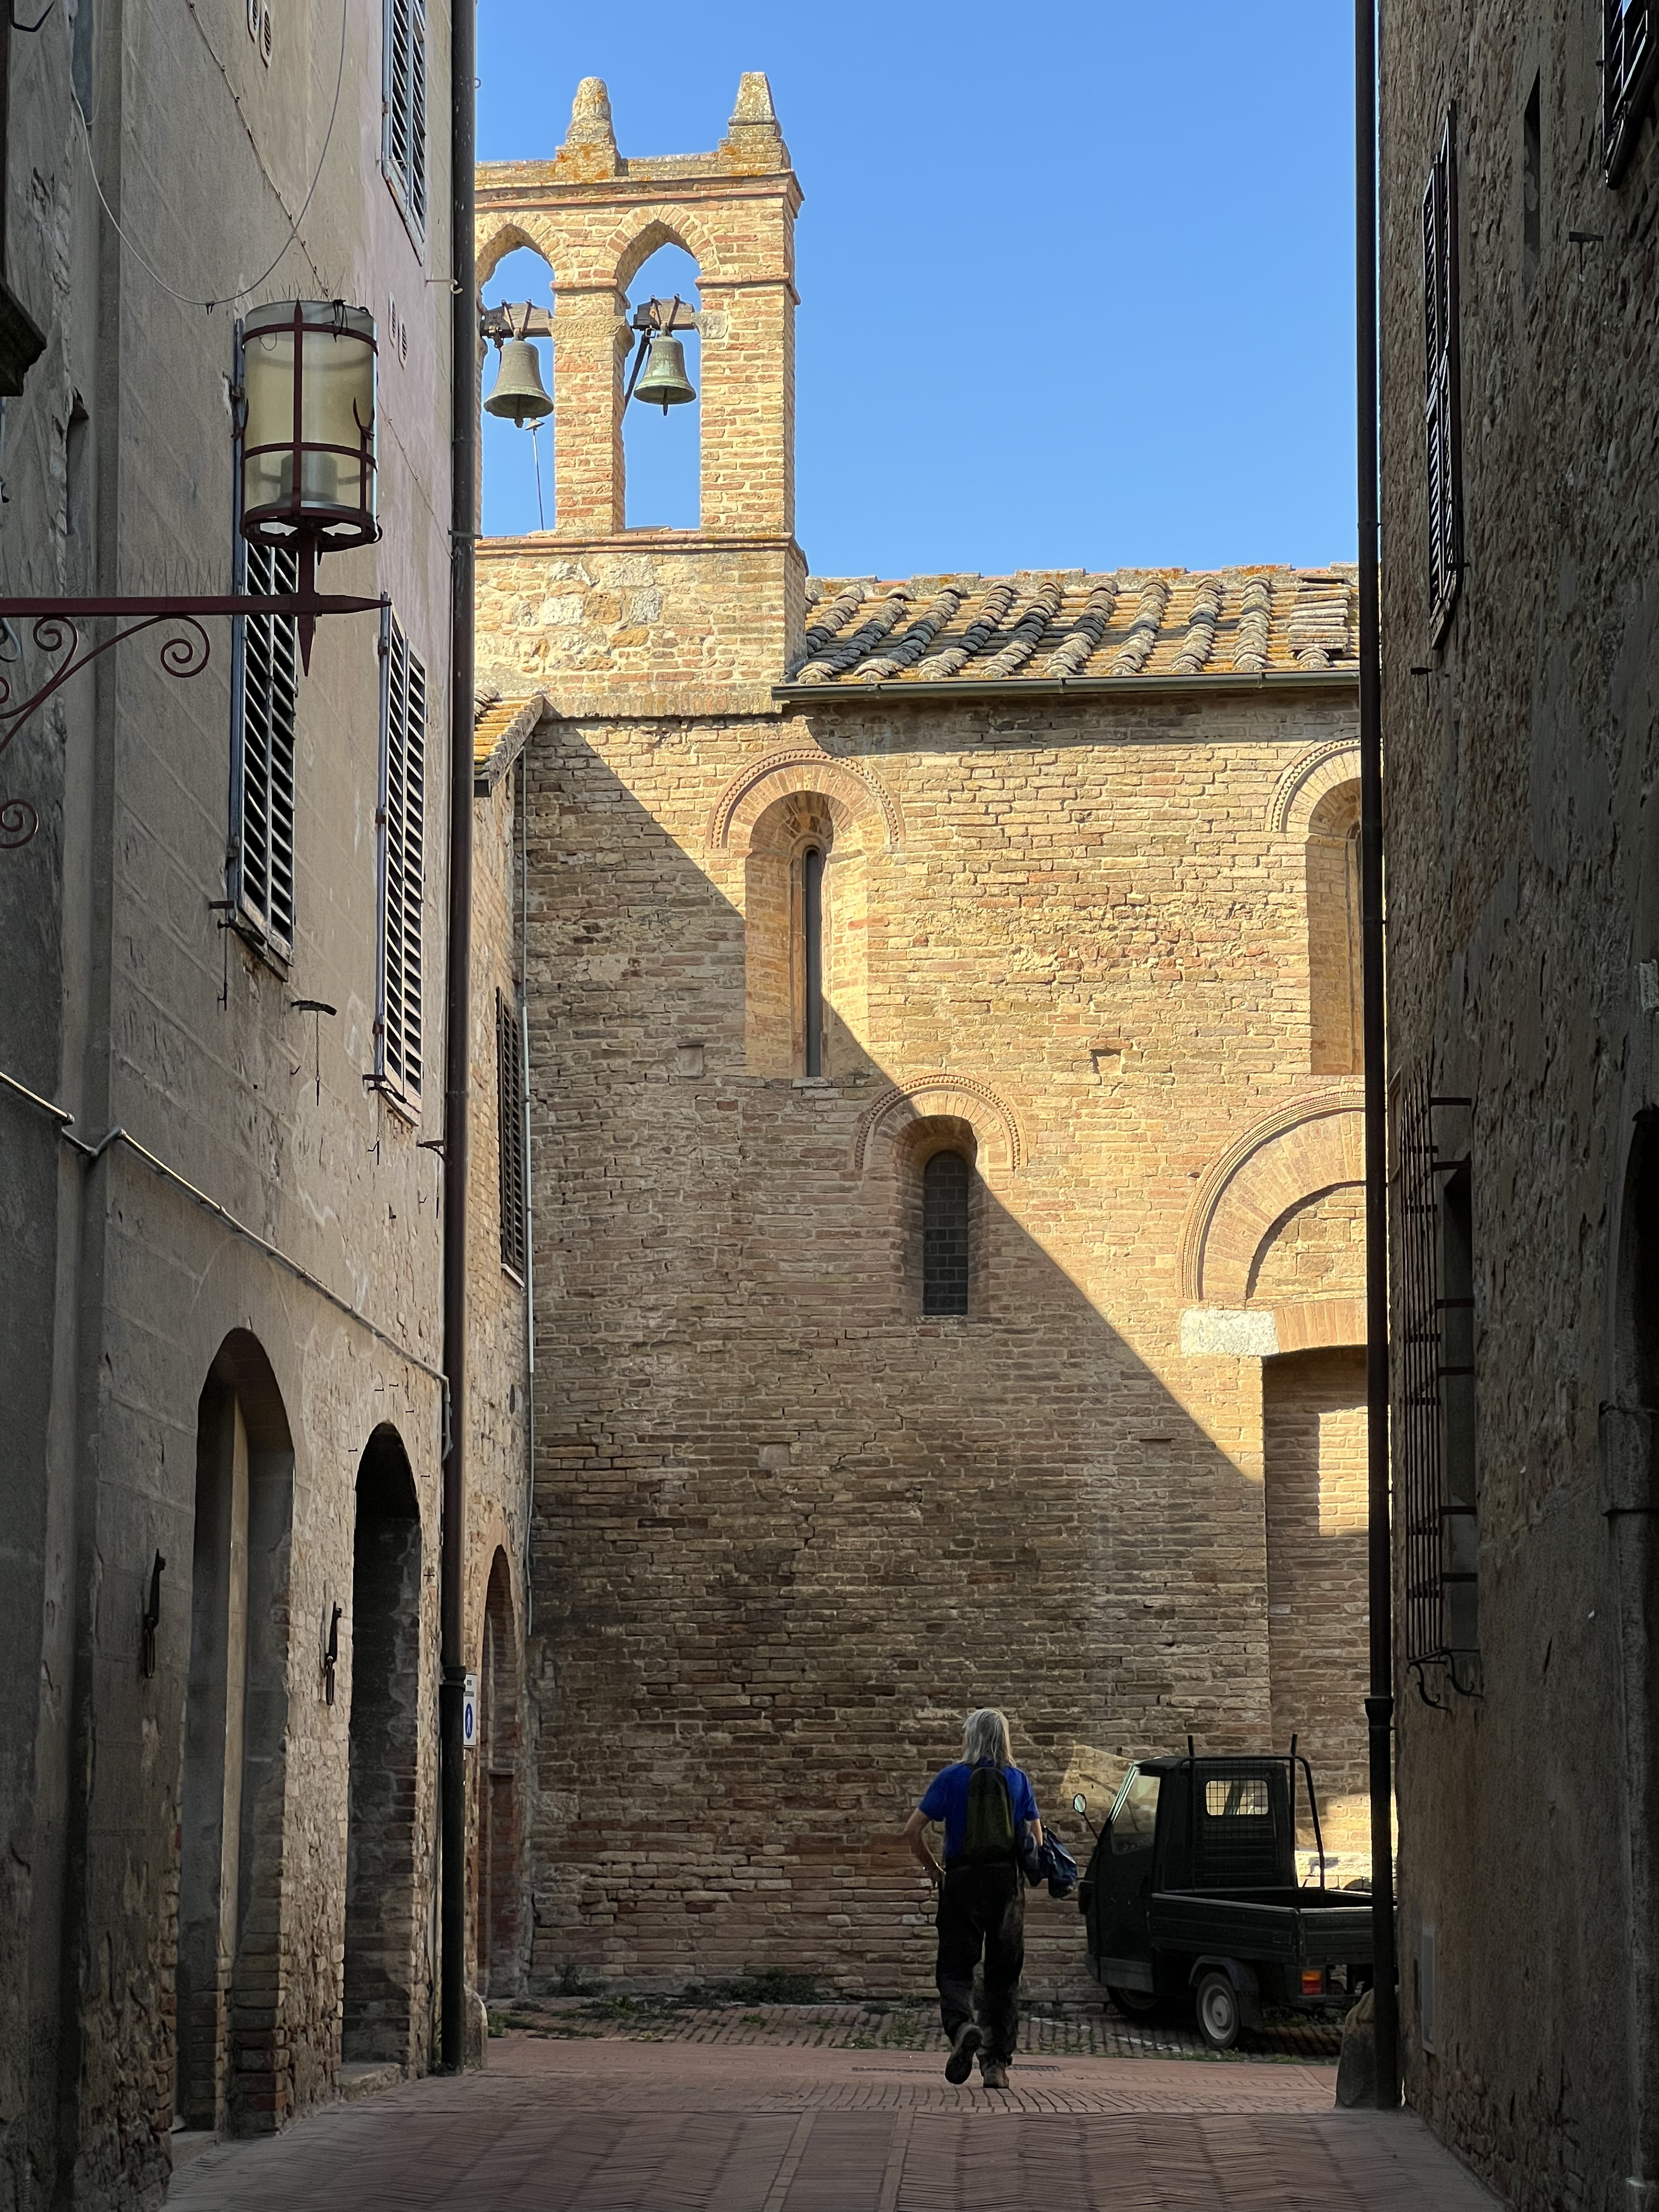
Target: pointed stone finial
x,y
754,100
753,144
589,151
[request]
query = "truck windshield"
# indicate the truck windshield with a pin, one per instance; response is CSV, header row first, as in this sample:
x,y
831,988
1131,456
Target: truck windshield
x,y
1135,1821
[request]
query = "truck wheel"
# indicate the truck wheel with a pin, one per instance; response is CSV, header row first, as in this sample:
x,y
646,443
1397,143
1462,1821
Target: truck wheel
x,y
1218,2016
1134,2004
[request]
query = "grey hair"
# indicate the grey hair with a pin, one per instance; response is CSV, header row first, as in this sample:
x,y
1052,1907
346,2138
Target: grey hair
x,y
985,1736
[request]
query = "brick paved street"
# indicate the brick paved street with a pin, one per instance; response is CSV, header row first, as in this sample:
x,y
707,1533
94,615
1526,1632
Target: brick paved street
x,y
614,2124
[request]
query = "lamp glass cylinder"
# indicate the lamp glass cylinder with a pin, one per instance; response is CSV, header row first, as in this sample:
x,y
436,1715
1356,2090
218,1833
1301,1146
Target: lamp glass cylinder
x,y
308,380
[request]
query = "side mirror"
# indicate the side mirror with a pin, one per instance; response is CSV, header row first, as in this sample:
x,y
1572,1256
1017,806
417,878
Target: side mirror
x,y
1079,1803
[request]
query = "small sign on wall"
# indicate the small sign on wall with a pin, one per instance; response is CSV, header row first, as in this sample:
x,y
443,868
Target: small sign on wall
x,y
470,1713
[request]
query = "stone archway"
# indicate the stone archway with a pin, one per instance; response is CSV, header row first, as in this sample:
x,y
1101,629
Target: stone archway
x,y
235,1766
380,1977
498,1897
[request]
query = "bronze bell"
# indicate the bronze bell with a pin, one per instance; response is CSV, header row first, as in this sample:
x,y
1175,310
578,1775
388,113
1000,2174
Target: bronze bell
x,y
664,382
520,393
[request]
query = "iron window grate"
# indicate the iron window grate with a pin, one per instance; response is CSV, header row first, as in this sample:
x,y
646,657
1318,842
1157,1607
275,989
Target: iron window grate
x,y
1630,69
264,700
946,1182
509,1112
1442,395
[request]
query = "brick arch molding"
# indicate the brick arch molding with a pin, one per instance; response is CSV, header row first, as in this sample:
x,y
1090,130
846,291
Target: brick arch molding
x,y
1313,1145
1306,781
866,802
639,235
496,240
992,1119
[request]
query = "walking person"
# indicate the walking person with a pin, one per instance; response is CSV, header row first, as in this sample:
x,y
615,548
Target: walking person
x,y
984,1802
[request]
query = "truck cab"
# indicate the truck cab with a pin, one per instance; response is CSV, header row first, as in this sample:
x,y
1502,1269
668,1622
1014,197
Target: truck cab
x,y
1193,1892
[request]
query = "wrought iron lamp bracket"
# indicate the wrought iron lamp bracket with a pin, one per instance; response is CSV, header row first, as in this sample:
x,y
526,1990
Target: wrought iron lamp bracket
x,y
55,632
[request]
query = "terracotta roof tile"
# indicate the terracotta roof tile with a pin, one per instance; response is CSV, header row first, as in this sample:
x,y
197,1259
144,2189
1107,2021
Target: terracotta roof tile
x,y
1066,624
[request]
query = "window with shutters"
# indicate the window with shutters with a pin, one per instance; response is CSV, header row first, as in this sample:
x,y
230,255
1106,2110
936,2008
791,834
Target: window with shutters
x,y
403,147
510,1135
1442,400
1629,68
265,691
401,821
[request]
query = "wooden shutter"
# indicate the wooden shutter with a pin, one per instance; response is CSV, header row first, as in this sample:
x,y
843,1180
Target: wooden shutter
x,y
509,1114
1441,398
264,692
403,153
401,824
1629,66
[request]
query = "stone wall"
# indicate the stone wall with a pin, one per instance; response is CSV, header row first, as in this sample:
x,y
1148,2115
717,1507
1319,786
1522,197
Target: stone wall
x,y
788,1528
1522,758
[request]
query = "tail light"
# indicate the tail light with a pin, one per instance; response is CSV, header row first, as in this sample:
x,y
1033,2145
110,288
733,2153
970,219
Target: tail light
x,y
1312,1981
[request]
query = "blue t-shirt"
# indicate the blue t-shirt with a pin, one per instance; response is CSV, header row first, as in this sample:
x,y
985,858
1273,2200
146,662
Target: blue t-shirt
x,y
947,1800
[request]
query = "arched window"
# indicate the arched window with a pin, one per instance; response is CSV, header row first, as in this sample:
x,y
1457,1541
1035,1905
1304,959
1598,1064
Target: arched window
x,y
1335,988
810,942
946,1181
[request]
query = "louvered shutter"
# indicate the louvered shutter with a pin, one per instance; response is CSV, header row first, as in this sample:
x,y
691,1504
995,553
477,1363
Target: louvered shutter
x,y
1630,67
1442,400
264,694
401,824
403,150
509,1112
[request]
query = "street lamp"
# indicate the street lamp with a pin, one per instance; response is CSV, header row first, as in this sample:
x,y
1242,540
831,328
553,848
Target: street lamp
x,y
304,412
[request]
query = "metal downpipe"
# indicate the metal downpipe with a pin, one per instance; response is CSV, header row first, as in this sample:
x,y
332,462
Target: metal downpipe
x,y
1379,1704
457,1025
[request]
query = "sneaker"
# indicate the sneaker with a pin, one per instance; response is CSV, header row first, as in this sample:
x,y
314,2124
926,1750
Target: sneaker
x,y
994,2074
960,2064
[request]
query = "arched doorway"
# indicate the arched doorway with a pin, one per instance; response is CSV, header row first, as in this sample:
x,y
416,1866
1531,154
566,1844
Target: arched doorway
x,y
499,1924
381,1966
235,1724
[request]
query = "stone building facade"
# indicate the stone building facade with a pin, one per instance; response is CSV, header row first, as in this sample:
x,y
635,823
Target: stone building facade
x,y
220,1316
945,1117
1521,684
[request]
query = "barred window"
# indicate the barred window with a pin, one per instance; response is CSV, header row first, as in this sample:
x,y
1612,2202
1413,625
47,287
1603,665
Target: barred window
x,y
510,1133
401,821
403,147
1629,68
946,1182
1435,1271
1442,398
265,691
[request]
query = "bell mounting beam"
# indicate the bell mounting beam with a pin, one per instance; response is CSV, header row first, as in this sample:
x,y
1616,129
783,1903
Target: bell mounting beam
x,y
510,320
185,652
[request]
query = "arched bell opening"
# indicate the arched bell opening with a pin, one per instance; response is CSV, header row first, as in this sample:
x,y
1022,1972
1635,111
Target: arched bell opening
x,y
662,446
234,1750
499,1901
381,1971
517,457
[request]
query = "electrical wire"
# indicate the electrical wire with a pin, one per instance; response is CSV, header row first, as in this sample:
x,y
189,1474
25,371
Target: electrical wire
x,y
228,299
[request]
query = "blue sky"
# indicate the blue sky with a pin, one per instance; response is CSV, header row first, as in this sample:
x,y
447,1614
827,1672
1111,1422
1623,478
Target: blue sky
x,y
1076,284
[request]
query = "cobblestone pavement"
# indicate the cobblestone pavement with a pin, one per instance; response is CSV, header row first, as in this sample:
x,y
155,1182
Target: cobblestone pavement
x,y
624,2123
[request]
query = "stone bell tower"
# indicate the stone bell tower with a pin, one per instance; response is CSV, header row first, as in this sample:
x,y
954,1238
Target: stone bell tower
x,y
599,617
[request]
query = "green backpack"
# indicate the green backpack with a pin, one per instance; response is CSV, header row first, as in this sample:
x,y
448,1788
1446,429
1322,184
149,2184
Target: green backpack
x,y
987,1835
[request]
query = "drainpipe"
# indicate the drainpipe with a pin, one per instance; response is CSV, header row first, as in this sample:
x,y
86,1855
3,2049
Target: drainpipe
x,y
457,1025
1379,1704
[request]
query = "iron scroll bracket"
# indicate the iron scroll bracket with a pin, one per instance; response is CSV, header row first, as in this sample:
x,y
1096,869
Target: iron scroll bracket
x,y
183,653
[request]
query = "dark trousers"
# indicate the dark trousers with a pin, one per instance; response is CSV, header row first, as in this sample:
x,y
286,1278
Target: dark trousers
x,y
981,1909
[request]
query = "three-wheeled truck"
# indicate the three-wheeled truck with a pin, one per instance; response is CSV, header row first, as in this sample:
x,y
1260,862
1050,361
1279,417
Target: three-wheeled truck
x,y
1193,1893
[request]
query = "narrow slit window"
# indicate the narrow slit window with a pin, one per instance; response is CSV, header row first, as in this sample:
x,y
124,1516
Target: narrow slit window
x,y
264,695
509,1110
811,889
403,145
1532,184
401,821
946,1182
